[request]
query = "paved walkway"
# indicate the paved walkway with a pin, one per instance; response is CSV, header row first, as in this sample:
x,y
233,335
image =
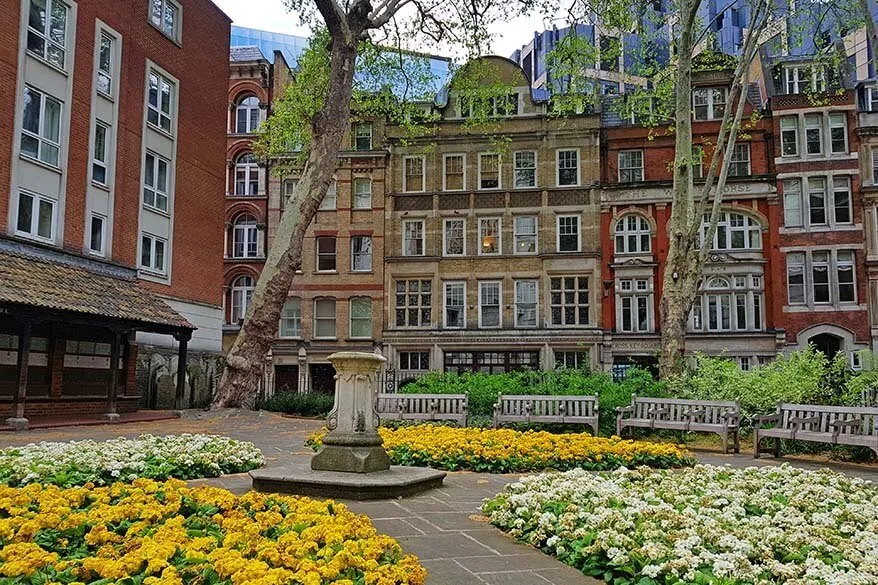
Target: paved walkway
x,y
443,527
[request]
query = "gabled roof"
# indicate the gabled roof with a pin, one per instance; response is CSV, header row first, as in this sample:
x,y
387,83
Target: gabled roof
x,y
245,54
44,282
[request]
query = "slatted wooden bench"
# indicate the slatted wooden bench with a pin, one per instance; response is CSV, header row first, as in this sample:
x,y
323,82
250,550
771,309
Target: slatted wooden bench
x,y
453,407
529,408
836,425
710,416
869,397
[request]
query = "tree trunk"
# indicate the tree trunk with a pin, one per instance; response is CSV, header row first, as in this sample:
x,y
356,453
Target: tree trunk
x,y
674,305
246,360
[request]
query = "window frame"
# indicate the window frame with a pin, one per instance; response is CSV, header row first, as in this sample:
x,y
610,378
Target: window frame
x,y
535,284
406,308
247,175
446,284
483,155
98,163
423,237
516,234
174,33
810,125
562,304
558,234
247,226
102,249
154,241
558,153
356,136
361,254
100,72
244,294
247,110
516,168
157,109
352,318
710,104
406,188
358,197
793,193
37,199
783,133
734,161
157,193
844,131
498,247
635,297
330,198
642,229
752,229
325,255
482,285
44,142
445,237
45,35
296,320
627,170
318,318
462,157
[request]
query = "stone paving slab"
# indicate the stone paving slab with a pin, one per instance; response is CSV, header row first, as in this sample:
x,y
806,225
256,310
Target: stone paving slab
x,y
443,527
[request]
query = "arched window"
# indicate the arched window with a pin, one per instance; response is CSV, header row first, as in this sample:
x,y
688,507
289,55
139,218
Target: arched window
x,y
247,115
242,293
632,234
733,303
246,175
734,231
245,237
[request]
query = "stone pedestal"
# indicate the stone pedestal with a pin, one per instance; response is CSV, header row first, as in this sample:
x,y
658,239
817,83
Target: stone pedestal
x,y
353,444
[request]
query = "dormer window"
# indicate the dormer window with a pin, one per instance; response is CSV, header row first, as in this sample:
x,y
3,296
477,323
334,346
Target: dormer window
x,y
709,103
494,107
802,78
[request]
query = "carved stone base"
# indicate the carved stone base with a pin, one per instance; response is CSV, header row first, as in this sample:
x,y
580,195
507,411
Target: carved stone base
x,y
348,459
392,483
18,424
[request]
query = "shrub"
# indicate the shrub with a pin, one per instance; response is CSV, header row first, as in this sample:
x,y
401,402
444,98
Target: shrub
x,y
300,403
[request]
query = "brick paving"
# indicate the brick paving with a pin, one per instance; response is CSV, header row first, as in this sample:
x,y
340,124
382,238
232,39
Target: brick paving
x,y
443,527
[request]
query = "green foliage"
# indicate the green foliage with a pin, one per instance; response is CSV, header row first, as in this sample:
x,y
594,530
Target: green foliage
x,y
300,403
484,388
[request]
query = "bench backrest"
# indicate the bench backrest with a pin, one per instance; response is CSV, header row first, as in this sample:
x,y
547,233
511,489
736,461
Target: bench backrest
x,y
574,406
422,403
868,415
678,408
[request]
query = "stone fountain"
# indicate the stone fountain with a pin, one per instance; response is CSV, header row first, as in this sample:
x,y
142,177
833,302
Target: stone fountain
x,y
352,462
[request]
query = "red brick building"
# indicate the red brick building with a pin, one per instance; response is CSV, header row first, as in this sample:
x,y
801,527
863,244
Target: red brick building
x,y
111,203
733,313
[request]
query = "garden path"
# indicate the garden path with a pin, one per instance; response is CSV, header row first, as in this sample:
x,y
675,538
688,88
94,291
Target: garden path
x,y
443,527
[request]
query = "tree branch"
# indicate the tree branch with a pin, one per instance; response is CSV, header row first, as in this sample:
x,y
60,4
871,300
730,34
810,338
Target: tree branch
x,y
334,17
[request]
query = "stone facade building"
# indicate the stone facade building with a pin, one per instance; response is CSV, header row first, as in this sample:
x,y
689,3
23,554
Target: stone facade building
x,y
493,250
110,201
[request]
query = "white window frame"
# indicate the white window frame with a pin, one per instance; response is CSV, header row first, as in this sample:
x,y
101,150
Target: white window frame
x,y
33,231
318,318
534,285
292,315
246,109
792,192
517,234
625,233
419,307
152,267
834,126
824,196
558,234
814,122
166,5
246,175
792,123
518,167
51,48
710,103
99,160
241,297
330,199
405,186
482,235
845,265
318,254
406,239
102,249
558,153
357,135
245,235
364,196
801,264
351,317
871,99
45,144
841,184
752,231
159,193
355,254
796,78
445,224
104,83
630,290
562,304
482,156
162,100
483,285
631,171
445,288
462,157
740,147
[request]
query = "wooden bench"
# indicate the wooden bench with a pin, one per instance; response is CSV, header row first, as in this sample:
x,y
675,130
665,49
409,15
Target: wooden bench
x,y
869,397
453,407
836,425
546,409
710,416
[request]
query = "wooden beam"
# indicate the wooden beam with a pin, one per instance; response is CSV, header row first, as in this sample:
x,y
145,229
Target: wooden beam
x,y
113,385
183,337
17,420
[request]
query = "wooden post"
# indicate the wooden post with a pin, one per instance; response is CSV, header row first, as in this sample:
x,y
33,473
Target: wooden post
x,y
113,386
183,337
17,420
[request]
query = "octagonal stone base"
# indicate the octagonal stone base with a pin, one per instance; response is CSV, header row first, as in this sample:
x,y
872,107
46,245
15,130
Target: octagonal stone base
x,y
351,459
380,485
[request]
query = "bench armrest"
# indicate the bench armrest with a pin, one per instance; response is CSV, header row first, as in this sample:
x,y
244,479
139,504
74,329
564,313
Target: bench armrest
x,y
851,422
761,419
624,409
803,420
730,415
657,411
694,412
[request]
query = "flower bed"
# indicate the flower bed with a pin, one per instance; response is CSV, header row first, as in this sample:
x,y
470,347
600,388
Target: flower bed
x,y
167,534
706,525
78,462
508,451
